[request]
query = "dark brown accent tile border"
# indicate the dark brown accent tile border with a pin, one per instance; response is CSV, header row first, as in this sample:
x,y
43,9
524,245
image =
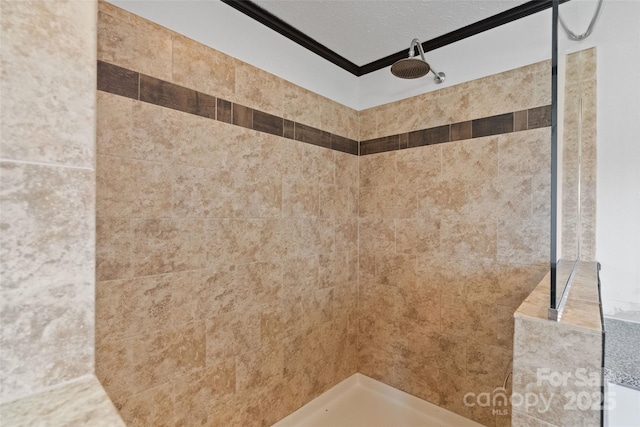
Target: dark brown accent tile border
x,y
264,122
380,145
131,84
520,120
460,131
165,94
539,117
224,111
345,145
289,129
312,135
205,105
428,136
495,125
118,80
242,116
124,82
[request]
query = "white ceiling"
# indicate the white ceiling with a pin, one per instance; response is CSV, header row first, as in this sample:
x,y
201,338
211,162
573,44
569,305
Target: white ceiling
x,y
363,31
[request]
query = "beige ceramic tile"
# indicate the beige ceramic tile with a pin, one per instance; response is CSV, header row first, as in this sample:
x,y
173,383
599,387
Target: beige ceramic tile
x,y
417,165
509,91
151,407
345,299
132,307
333,201
517,282
388,201
281,319
488,364
476,241
317,307
333,269
339,119
202,68
258,89
256,199
417,236
114,245
444,199
346,235
395,269
197,147
154,132
417,378
377,235
443,107
524,153
161,357
438,351
48,270
319,164
541,187
318,236
193,393
59,66
523,242
477,322
300,275
378,169
232,334
200,294
260,369
166,245
262,281
367,124
135,43
114,125
502,197
534,351
396,117
471,159
347,172
116,196
302,105
198,192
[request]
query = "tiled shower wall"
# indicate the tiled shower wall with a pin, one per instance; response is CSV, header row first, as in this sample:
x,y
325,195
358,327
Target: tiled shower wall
x,y
453,236
47,196
226,257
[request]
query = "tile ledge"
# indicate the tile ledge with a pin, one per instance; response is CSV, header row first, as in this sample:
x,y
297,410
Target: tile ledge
x,y
80,402
581,312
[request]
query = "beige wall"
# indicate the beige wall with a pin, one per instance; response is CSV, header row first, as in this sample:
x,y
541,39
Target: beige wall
x,y
226,257
47,194
453,237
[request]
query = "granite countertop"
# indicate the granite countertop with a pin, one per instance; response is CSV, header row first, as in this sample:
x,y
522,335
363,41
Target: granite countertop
x,y
622,352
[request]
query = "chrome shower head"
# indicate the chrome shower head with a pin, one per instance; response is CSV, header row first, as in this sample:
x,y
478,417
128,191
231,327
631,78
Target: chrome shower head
x,y
412,67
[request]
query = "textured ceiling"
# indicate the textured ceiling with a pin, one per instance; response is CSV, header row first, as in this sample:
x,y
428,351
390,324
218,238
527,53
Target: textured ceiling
x,y
363,31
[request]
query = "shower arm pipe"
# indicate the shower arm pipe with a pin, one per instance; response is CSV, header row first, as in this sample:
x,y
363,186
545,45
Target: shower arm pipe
x,y
571,35
439,77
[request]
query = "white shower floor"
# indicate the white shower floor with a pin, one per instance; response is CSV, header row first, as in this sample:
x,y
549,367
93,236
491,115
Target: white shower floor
x,y
360,401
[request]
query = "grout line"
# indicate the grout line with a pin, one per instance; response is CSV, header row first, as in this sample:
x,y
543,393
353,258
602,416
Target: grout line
x,y
48,164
